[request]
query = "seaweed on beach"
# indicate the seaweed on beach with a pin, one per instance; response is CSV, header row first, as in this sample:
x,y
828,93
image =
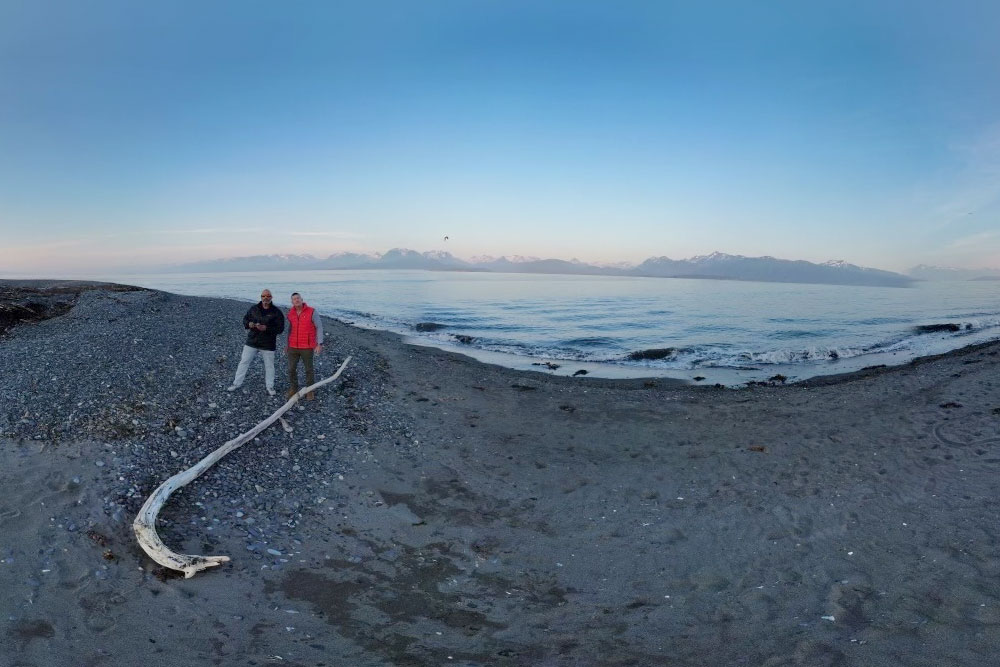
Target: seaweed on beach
x,y
21,303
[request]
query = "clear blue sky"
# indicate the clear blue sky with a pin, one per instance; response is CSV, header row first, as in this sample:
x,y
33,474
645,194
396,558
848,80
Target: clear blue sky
x,y
141,133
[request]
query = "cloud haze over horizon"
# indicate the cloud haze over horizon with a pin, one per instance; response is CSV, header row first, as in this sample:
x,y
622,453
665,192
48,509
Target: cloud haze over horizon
x,y
133,135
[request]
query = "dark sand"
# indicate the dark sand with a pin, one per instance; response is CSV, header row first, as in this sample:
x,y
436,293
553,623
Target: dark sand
x,y
537,520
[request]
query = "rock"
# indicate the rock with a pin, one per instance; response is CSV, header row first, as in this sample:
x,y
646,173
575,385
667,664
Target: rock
x,y
933,328
428,326
651,354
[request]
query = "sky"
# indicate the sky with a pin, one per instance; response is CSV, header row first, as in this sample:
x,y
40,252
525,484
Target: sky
x,y
134,135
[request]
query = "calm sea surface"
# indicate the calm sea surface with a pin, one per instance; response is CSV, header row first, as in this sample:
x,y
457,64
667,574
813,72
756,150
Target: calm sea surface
x,y
723,331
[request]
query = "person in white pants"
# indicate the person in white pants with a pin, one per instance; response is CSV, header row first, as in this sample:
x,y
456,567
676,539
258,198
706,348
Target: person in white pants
x,y
263,323
249,353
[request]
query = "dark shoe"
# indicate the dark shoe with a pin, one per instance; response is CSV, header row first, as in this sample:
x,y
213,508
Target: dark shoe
x,y
311,396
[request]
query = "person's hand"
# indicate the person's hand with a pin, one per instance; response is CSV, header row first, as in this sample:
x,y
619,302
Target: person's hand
x,y
319,348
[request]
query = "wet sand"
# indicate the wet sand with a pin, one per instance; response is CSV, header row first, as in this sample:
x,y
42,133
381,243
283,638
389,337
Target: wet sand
x,y
537,520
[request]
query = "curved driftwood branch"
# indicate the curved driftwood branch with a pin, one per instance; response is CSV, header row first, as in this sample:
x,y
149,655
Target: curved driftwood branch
x,y
145,522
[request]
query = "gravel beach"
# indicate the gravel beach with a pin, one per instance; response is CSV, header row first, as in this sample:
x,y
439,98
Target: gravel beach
x,y
428,509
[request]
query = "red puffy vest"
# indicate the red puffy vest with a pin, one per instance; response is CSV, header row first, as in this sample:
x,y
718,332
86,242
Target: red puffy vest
x,y
302,331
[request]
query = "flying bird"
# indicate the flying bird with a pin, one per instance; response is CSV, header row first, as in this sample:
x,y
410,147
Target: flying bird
x,y
446,238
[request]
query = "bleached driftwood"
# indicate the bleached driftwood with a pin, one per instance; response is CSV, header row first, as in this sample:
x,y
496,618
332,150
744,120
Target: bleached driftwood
x,y
145,522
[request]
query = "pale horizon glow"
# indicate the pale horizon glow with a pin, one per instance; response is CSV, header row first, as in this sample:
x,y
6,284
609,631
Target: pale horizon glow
x,y
135,136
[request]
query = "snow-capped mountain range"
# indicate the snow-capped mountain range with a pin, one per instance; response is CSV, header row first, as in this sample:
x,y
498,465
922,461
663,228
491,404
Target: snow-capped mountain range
x,y
717,265
925,272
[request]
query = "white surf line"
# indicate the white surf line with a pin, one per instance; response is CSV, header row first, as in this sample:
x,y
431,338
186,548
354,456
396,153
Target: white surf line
x,y
145,522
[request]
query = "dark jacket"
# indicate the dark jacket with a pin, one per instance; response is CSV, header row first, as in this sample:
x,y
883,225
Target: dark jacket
x,y
272,318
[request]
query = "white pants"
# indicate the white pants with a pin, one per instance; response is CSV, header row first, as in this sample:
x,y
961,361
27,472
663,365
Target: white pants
x,y
248,354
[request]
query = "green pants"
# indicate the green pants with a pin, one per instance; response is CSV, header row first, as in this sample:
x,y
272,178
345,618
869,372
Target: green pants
x,y
294,354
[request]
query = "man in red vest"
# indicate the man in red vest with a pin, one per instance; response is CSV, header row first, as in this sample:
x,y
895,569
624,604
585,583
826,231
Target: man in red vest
x,y
305,338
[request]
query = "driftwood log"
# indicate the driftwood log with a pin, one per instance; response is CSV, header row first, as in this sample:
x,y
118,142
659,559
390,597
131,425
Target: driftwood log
x,y
145,522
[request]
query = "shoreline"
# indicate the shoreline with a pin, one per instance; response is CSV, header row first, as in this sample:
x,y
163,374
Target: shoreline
x,y
729,376
430,509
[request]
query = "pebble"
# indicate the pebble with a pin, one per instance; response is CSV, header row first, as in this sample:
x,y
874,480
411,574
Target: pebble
x,y
274,552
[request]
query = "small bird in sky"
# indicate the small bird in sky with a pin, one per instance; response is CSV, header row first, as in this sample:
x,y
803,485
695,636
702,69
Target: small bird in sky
x,y
446,238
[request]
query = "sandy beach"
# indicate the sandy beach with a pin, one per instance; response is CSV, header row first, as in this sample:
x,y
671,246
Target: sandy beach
x,y
428,509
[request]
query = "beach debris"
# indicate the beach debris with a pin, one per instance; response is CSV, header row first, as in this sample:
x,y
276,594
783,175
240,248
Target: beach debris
x,y
649,384
996,411
580,372
951,404
548,364
285,425
829,618
99,539
567,408
523,387
108,555
777,378
698,378
464,339
757,448
145,522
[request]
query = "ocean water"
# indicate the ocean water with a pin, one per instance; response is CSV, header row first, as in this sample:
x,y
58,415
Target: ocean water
x,y
721,331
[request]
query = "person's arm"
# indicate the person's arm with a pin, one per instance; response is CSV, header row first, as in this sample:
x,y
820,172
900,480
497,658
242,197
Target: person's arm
x,y
246,319
280,321
318,323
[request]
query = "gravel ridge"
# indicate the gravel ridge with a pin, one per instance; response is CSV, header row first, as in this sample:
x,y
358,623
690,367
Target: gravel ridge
x,y
145,373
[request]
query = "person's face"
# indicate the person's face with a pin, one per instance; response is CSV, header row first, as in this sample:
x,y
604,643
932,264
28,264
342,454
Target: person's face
x,y
296,301
265,298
